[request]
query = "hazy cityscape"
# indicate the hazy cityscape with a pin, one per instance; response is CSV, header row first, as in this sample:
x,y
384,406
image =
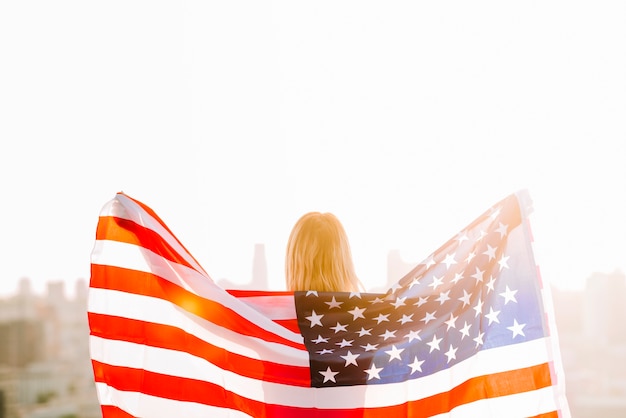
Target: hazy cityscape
x,y
45,369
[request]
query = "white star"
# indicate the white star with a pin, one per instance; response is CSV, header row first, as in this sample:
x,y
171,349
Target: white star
x,y
470,257
311,292
395,287
388,334
320,339
394,353
492,316
373,372
350,359
333,303
517,329
357,313
434,344
325,351
490,283
436,282
429,262
413,335
429,317
339,327
369,347
503,262
416,366
509,295
381,318
479,339
482,234
364,332
491,252
451,322
420,301
355,294
449,260
315,319
405,318
465,298
443,296
457,277
377,300
478,275
329,375
465,330
399,302
478,308
451,353
502,229
495,212
414,282
462,236
343,343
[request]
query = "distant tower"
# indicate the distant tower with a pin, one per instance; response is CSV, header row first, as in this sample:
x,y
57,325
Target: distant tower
x,y
604,308
259,268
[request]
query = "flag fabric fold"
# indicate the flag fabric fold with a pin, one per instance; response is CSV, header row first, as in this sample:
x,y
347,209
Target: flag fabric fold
x,y
468,332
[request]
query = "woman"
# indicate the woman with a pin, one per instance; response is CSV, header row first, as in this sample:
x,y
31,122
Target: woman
x,y
319,256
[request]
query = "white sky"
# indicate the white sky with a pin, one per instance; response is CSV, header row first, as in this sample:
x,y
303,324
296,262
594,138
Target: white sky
x,y
231,119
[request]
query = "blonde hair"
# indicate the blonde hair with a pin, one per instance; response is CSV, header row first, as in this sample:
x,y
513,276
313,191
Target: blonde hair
x,y
318,256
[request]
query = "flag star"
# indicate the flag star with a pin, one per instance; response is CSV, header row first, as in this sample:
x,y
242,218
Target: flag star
x,y
377,300
369,347
325,351
320,339
479,339
357,313
413,335
421,301
350,359
457,277
311,292
355,294
482,234
492,316
509,295
491,252
490,283
449,260
465,298
443,296
451,353
478,308
451,322
329,375
429,262
395,287
373,372
339,327
503,262
517,329
416,366
502,229
399,302
414,282
478,275
394,353
405,318
436,282
462,236
315,319
343,343
434,344
470,257
364,331
388,334
381,318
333,303
429,317
495,212
465,330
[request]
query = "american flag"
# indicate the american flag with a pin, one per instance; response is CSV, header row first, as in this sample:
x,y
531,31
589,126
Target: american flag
x,y
469,332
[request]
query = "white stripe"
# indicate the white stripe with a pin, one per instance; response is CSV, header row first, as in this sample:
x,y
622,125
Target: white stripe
x,y
175,363
159,311
142,405
275,307
520,405
134,257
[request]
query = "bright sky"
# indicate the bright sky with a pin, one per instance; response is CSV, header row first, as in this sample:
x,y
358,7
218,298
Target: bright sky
x,y
231,119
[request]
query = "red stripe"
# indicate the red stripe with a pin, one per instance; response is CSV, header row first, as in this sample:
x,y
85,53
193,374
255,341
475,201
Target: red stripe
x,y
172,338
109,411
147,284
191,390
